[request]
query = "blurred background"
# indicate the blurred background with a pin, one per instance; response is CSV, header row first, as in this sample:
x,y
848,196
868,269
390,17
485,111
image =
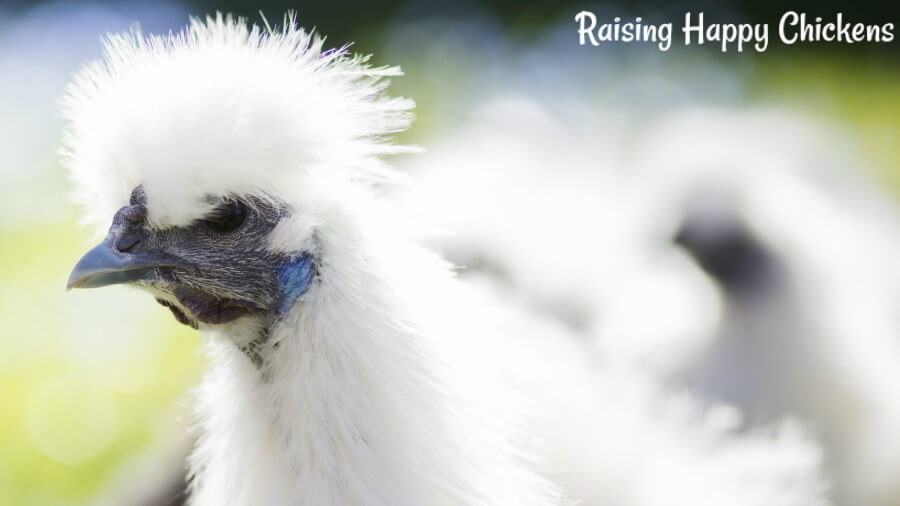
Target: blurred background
x,y
667,188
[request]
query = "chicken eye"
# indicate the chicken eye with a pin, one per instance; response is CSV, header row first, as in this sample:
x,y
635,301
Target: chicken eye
x,y
228,217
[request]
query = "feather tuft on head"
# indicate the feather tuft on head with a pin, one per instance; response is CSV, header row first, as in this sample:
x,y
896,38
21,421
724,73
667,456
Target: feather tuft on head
x,y
224,108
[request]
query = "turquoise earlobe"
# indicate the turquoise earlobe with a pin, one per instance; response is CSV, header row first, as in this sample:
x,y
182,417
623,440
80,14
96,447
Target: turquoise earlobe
x,y
294,277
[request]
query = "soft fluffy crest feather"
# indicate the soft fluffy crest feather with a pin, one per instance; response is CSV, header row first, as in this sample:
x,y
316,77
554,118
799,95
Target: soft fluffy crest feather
x,y
220,108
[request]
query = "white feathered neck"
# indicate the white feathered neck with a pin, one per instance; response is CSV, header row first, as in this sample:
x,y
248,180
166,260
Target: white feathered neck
x,y
368,394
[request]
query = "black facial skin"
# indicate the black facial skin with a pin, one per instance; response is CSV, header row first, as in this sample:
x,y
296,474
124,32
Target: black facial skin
x,y
727,250
222,270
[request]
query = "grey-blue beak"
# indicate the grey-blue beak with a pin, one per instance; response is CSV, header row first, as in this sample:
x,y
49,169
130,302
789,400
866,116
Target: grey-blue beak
x,y
105,265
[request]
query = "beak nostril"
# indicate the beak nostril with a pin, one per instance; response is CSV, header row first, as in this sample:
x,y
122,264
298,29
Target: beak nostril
x,y
126,243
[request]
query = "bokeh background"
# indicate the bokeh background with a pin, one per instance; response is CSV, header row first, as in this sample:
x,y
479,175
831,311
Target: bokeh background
x,y
93,404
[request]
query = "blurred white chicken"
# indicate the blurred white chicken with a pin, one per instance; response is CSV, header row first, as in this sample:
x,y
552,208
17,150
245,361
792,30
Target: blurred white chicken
x,y
786,305
804,252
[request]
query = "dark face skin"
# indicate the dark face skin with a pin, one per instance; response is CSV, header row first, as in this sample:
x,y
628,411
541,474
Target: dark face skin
x,y
213,271
727,250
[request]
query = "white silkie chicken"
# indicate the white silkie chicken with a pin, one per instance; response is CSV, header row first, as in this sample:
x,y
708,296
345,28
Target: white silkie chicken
x,y
801,318
804,252
348,365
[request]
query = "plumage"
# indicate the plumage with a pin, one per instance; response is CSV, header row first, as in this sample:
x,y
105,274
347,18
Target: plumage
x,y
348,365
743,260
808,324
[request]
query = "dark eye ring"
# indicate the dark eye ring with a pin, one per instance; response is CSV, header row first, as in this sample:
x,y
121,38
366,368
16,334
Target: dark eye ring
x,y
228,217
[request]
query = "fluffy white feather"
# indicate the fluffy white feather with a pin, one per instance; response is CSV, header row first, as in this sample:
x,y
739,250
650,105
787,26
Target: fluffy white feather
x,y
819,339
819,344
222,107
